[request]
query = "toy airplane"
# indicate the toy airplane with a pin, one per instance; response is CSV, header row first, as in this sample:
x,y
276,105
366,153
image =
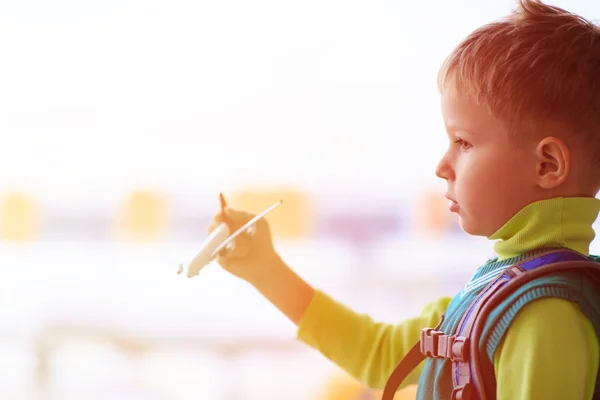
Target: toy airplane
x,y
221,239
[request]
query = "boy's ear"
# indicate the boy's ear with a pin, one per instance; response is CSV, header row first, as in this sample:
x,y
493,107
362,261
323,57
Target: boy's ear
x,y
553,162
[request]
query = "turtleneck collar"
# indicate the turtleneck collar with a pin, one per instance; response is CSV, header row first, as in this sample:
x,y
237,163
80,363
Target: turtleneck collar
x,y
558,222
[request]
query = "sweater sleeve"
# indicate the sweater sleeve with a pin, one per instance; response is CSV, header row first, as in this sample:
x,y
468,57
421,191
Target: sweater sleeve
x,y
550,351
367,350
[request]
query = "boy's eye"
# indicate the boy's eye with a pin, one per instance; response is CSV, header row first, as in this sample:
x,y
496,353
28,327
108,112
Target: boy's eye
x,y
463,145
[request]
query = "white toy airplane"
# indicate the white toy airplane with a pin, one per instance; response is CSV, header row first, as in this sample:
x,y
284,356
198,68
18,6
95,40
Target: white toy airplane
x,y
220,239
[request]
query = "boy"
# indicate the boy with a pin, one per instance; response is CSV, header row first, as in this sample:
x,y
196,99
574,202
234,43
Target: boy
x,y
520,99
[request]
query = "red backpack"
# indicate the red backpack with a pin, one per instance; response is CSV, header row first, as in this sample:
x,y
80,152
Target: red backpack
x,y
461,348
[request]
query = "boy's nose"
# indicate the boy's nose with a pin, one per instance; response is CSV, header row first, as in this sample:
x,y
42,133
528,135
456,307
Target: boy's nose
x,y
444,170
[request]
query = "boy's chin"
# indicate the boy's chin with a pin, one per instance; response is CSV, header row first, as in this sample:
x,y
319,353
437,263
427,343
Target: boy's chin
x,y
471,227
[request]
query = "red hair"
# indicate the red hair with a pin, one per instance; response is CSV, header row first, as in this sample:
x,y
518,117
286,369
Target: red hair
x,y
536,69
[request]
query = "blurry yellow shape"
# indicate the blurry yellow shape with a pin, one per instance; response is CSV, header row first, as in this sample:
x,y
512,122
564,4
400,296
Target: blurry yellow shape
x,y
292,219
344,387
144,216
19,218
408,393
432,214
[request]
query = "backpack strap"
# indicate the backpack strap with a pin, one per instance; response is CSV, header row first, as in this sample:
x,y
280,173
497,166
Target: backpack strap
x,y
466,386
462,347
408,363
526,271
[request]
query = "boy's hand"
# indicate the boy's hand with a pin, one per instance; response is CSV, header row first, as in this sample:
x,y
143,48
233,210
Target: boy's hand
x,y
253,255
255,260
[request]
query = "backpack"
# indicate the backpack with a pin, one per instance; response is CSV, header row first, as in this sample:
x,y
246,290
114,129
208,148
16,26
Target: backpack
x,y
470,379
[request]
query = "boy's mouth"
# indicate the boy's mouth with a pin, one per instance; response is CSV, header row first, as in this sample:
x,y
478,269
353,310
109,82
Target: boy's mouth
x,y
452,204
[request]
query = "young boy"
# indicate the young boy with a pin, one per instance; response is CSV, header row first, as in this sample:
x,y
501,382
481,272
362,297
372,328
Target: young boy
x,y
520,99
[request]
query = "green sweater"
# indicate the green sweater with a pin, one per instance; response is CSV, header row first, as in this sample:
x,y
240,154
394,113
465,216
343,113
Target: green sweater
x,y
549,350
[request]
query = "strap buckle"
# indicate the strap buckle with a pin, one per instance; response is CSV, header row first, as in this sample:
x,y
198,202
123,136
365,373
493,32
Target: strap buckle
x,y
436,344
456,348
429,342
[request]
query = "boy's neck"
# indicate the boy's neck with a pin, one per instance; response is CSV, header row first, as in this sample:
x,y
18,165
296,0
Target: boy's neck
x,y
558,222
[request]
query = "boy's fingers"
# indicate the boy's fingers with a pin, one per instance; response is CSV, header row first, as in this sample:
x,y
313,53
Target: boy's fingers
x,y
233,218
242,247
223,218
227,216
240,250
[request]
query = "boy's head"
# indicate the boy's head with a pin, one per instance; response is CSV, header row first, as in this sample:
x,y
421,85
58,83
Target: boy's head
x,y
521,105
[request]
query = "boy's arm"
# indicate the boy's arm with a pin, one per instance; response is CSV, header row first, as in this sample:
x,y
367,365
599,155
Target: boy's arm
x,y
549,352
367,350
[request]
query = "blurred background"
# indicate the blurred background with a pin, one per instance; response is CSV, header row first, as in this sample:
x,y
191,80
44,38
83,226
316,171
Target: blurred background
x,y
121,121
